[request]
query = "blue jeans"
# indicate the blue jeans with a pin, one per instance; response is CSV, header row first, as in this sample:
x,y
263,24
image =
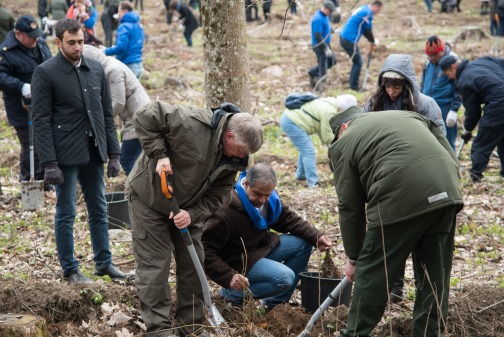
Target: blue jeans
x,y
275,277
323,63
307,166
352,49
485,142
188,36
90,177
136,68
429,5
130,150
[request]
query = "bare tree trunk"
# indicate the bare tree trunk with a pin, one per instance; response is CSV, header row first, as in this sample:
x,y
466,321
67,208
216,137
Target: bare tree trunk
x,y
225,53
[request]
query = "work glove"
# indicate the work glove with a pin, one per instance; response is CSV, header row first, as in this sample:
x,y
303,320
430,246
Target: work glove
x,y
44,20
328,52
451,119
113,166
376,42
53,175
26,90
466,136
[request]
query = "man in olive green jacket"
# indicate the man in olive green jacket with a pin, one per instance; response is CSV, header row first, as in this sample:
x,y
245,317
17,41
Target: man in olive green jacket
x,y
396,176
204,150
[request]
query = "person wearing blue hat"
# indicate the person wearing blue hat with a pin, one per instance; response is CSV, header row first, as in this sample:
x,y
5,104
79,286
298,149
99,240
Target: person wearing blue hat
x,y
20,53
480,83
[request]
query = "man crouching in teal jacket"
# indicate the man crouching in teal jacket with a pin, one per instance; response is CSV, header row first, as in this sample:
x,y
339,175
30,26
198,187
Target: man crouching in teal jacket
x,y
397,181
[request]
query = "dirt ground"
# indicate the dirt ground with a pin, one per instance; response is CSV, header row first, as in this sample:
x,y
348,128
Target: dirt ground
x,y
279,56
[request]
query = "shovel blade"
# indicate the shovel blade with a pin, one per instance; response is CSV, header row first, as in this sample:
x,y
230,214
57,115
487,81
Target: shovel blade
x,y
32,194
216,320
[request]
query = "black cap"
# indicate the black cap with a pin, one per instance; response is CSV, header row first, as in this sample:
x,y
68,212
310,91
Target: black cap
x,y
337,120
446,61
329,5
28,25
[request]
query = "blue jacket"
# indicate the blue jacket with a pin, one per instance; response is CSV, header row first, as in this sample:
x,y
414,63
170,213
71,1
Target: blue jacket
x,y
320,24
129,40
16,68
481,82
435,84
360,21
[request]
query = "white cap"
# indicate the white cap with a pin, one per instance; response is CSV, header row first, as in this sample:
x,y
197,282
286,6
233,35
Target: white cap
x,y
346,101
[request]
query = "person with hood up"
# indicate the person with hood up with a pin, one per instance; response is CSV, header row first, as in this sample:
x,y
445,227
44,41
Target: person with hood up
x,y
203,149
129,39
312,118
398,90
435,84
128,96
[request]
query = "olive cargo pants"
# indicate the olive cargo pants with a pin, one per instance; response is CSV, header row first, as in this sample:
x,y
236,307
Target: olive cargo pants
x,y
431,239
154,238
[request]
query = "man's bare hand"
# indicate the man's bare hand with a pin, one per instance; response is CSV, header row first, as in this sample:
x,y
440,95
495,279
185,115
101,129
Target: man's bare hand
x,y
181,220
324,243
239,282
350,271
164,164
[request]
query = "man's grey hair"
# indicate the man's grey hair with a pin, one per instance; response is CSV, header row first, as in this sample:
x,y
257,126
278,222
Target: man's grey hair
x,y
261,173
247,130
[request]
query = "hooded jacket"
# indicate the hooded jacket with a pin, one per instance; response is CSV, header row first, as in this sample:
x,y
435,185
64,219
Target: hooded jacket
x,y
389,167
129,40
128,94
17,64
191,138
313,117
481,82
403,65
233,244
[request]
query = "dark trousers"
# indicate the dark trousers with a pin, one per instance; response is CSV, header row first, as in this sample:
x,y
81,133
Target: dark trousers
x,y
249,6
24,156
323,63
292,6
485,142
141,5
188,36
431,239
130,150
352,49
109,23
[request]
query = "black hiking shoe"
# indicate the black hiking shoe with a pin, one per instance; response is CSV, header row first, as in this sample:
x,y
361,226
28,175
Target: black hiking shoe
x,y
77,277
114,272
396,295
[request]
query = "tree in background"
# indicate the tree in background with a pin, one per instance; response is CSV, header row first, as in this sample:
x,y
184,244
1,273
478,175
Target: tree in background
x,y
225,53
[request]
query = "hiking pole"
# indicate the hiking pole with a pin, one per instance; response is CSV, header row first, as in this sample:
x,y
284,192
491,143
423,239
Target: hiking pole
x,y
214,316
370,55
323,307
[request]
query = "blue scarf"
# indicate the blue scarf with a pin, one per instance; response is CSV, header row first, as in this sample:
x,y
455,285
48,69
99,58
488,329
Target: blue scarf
x,y
274,210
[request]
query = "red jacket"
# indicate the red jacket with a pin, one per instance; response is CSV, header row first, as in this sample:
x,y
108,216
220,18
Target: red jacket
x,y
233,244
